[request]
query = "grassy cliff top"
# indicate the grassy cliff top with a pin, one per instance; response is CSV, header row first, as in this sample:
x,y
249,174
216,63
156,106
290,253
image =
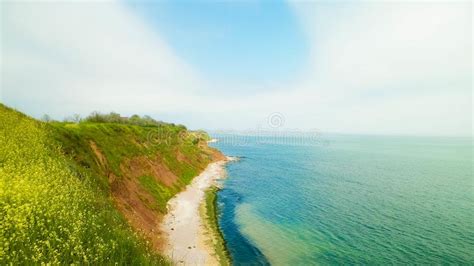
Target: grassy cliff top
x,y
90,192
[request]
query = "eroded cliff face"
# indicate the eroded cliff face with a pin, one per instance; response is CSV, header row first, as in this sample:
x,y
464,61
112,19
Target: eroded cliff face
x,y
139,168
68,190
146,184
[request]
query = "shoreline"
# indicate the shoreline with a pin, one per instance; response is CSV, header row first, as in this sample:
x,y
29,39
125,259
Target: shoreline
x,y
210,216
189,239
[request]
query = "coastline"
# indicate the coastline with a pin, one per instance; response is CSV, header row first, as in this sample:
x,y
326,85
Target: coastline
x,y
188,238
215,238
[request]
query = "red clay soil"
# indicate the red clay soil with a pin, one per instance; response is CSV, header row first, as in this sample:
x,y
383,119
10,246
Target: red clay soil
x,y
132,200
217,155
141,165
100,158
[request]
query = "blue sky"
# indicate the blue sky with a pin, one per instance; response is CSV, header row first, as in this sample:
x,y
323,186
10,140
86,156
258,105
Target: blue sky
x,y
352,67
245,42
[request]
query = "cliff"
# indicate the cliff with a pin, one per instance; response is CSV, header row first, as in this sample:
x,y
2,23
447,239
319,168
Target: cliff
x,y
91,191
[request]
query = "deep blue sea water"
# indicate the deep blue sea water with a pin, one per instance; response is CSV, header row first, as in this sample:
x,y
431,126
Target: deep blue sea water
x,y
348,199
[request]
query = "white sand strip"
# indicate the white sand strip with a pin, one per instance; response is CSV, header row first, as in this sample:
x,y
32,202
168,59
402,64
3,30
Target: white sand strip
x,y
186,240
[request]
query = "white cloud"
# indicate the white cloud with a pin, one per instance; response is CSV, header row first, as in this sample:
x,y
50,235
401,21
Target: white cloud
x,y
387,67
61,58
391,41
374,68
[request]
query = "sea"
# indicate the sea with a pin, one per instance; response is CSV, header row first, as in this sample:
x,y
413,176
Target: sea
x,y
347,199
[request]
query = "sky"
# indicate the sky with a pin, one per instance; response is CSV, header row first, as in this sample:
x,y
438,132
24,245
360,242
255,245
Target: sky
x,y
349,67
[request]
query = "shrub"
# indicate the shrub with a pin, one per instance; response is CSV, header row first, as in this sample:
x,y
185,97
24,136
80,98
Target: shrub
x,y
50,215
112,117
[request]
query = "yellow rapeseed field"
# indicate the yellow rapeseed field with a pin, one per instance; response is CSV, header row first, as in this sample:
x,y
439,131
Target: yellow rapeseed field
x,y
48,214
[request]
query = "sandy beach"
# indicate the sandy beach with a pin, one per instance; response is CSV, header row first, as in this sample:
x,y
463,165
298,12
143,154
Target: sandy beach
x,y
187,241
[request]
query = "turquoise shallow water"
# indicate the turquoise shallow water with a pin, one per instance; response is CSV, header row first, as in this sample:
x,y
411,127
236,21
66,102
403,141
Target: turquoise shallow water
x,y
348,199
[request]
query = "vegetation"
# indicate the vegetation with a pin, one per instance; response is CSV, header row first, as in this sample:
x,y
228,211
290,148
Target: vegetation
x,y
48,212
211,220
160,192
112,117
58,183
118,142
202,135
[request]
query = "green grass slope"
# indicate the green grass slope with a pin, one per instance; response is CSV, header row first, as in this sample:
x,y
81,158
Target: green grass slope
x,y
210,216
66,188
118,142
